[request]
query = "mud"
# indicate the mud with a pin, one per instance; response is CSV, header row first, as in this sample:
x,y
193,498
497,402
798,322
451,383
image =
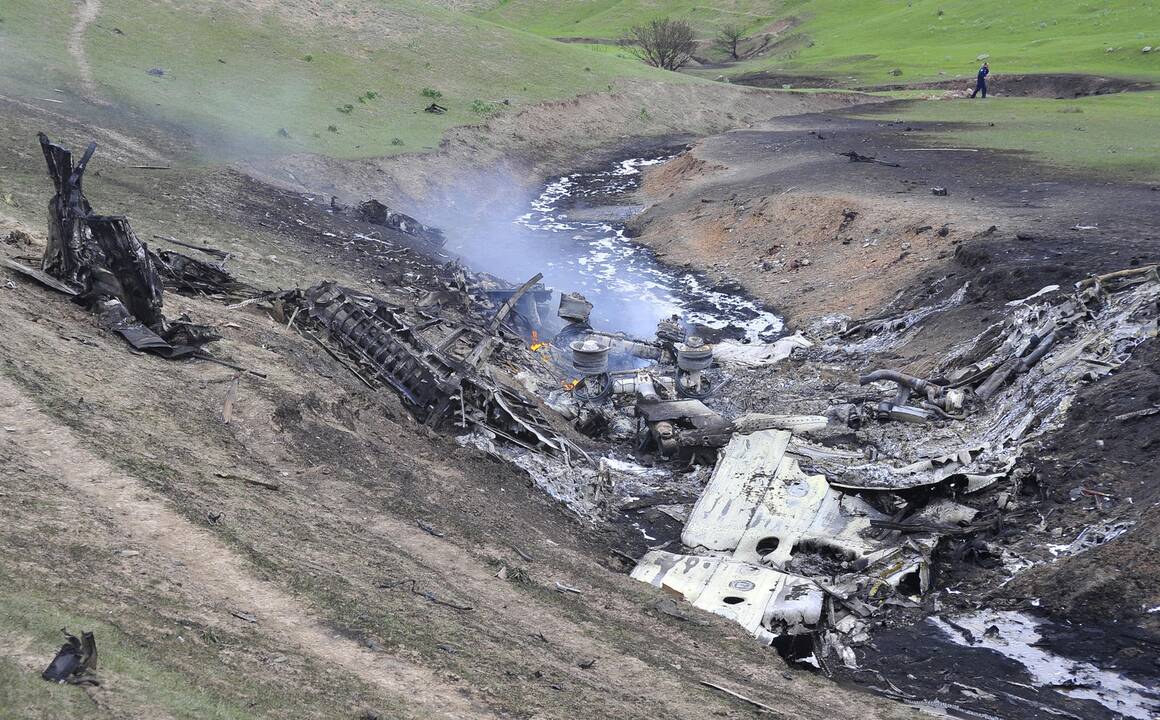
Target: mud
x,y
1042,86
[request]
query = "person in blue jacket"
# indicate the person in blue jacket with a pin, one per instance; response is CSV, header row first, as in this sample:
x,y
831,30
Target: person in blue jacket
x,y
981,83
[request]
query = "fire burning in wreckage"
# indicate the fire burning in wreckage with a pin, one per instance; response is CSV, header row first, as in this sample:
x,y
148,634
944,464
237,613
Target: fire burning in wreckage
x,y
800,528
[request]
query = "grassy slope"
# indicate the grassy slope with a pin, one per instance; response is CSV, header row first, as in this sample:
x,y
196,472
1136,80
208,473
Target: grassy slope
x,y
610,18
162,673
1114,134
245,72
862,42
33,52
867,40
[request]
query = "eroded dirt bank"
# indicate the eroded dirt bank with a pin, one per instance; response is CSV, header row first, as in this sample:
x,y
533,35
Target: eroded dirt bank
x,y
780,211
501,160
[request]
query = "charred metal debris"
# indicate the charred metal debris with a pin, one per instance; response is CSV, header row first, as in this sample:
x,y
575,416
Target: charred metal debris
x,y
798,526
802,540
448,372
102,264
76,661
374,212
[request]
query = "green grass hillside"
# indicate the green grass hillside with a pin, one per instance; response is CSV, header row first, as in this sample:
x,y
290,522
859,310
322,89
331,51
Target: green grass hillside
x,y
1111,135
610,18
866,40
341,77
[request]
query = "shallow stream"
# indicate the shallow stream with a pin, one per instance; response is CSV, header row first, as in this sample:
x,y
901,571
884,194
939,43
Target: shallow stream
x,y
574,233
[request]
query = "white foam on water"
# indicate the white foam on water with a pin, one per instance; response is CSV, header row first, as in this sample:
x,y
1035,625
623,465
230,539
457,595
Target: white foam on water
x,y
612,268
1016,639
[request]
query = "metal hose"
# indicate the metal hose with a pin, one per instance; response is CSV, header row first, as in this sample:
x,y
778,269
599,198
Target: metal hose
x,y
1037,354
917,384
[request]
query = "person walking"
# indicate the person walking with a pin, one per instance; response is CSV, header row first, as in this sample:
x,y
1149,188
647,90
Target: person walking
x,y
981,82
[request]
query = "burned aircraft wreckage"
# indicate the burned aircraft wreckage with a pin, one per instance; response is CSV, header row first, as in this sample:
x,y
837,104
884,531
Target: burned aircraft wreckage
x,y
802,527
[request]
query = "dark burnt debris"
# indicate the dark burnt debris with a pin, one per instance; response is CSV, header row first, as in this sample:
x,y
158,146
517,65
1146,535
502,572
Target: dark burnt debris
x,y
799,526
374,212
76,661
443,370
101,262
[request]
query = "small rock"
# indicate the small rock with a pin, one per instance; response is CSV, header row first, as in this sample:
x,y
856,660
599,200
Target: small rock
x,y
1056,532
155,72
1146,49
127,553
896,72
940,191
18,237
982,56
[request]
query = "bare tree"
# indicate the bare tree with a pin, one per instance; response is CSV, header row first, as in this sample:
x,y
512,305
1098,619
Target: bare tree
x,y
667,44
727,39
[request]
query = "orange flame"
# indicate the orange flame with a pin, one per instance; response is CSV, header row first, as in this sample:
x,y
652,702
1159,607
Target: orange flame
x,y
570,385
536,345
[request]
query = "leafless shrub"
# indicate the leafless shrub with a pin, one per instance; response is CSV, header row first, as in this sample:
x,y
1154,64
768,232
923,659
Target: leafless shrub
x,y
665,43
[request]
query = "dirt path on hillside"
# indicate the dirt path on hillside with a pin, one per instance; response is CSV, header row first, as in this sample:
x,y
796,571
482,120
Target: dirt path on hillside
x,y
213,571
87,12
113,144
